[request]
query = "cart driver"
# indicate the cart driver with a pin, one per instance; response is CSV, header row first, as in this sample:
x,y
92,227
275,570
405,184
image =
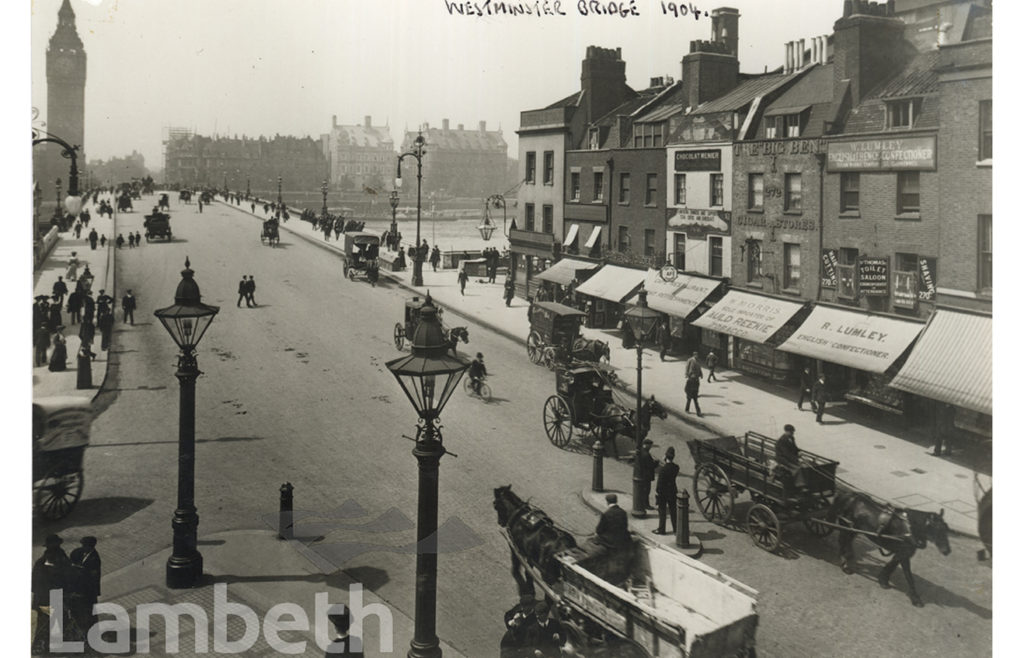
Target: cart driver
x,y
787,456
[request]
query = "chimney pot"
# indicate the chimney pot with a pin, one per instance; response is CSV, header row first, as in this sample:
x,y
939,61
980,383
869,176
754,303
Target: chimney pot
x,y
483,126
444,125
366,120
334,121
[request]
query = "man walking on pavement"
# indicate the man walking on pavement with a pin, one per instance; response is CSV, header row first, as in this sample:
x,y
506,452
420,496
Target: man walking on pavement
x,y
60,289
463,278
648,466
692,386
510,291
806,382
666,491
86,566
818,397
128,306
105,323
243,287
93,238
613,527
664,338
712,361
138,238
250,292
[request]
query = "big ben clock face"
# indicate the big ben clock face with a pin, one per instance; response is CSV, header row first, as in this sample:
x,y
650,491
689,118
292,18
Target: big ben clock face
x,y
64,66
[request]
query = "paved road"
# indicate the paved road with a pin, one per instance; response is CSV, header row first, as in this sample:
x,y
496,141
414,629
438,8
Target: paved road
x,y
296,390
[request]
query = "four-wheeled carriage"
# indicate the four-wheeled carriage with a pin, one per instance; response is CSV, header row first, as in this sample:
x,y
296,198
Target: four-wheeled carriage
x,y
583,400
124,203
60,434
164,202
360,256
157,225
729,465
554,328
404,331
270,234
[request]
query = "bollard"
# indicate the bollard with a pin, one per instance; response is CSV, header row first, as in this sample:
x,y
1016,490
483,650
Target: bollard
x,y
597,481
683,519
284,524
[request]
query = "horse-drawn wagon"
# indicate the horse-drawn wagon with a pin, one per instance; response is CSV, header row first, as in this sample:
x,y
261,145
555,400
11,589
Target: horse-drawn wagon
x,y
555,337
584,400
270,234
405,330
164,203
653,602
360,256
157,224
60,434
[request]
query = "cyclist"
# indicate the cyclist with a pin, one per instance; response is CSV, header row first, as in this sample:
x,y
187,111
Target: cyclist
x,y
477,372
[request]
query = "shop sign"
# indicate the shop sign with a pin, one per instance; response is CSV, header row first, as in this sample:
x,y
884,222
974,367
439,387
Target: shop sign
x,y
705,160
829,262
699,221
873,276
784,222
926,282
904,291
882,154
779,147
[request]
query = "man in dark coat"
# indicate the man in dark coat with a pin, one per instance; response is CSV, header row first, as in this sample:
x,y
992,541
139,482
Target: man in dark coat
x,y
787,456
692,390
86,566
41,340
128,306
60,289
93,238
613,528
819,395
250,292
104,304
88,307
648,466
666,491
545,635
435,258
51,571
342,622
243,288
105,324
806,382
87,334
510,291
54,319
463,279
75,307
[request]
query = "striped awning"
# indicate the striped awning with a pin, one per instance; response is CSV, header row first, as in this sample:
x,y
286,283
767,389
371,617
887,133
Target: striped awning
x,y
570,237
679,297
857,339
594,235
613,283
565,270
750,317
952,361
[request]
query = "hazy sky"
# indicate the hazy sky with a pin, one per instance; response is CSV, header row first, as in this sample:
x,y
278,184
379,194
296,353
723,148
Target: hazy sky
x,y
285,66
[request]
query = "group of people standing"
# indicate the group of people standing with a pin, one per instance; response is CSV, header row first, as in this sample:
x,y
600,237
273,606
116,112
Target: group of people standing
x,y
77,579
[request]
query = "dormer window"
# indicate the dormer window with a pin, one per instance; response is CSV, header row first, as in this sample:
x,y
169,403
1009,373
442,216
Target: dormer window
x,y
647,135
595,139
902,113
785,125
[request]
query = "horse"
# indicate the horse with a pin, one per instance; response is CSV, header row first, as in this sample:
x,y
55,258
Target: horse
x,y
585,349
622,421
898,531
454,335
534,534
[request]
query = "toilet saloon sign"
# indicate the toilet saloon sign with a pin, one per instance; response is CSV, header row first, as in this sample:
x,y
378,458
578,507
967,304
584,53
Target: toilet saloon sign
x,y
916,153
873,276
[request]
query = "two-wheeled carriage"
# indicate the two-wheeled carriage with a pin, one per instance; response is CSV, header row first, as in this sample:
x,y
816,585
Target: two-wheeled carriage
x,y
60,434
271,232
360,256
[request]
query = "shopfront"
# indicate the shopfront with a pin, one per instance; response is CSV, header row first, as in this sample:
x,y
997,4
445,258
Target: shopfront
x,y
859,352
756,323
604,294
682,300
531,254
559,277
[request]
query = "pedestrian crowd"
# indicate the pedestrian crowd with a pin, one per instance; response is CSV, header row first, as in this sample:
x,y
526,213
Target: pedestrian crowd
x,y
76,579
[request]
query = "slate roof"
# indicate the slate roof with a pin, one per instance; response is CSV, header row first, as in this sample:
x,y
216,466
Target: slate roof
x,y
454,139
813,90
372,137
744,93
917,79
572,100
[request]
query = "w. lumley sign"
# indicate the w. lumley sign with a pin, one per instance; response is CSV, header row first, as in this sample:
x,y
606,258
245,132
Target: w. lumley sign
x,y
882,154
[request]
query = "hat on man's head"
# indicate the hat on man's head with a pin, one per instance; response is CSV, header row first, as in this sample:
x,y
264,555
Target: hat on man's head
x,y
42,298
789,428
340,620
611,498
480,355
88,540
670,453
53,541
648,442
102,291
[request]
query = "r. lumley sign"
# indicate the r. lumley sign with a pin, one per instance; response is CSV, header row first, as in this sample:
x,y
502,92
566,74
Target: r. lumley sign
x,y
882,154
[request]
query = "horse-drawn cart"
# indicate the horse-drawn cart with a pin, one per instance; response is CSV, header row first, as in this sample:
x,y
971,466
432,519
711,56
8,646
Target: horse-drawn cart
x,y
360,256
667,603
271,233
157,225
60,434
555,337
405,330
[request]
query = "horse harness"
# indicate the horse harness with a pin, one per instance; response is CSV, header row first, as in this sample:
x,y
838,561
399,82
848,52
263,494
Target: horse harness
x,y
532,519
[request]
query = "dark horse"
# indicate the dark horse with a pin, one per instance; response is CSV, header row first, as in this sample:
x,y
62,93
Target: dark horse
x,y
614,420
454,335
534,535
585,349
897,531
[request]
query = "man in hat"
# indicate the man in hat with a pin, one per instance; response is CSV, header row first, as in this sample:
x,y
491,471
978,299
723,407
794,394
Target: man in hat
x,y
105,323
50,572
613,528
250,292
243,288
104,303
545,636
60,289
88,307
648,466
666,491
86,566
806,382
477,372
510,290
128,306
819,395
787,456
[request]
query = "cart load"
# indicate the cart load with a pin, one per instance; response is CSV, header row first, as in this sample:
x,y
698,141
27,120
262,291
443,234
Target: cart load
x,y
60,434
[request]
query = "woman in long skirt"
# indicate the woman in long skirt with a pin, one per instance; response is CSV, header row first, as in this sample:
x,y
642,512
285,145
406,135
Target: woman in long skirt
x,y
59,358
72,273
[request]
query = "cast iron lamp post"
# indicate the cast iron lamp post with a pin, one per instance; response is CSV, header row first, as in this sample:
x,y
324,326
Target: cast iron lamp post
x,y
323,210
428,376
73,202
186,320
393,199
279,202
487,228
418,150
642,321
248,190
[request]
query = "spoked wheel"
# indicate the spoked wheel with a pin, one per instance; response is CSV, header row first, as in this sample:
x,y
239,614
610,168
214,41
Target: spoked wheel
x,y
533,347
399,335
558,421
548,356
817,528
485,392
713,493
56,494
763,526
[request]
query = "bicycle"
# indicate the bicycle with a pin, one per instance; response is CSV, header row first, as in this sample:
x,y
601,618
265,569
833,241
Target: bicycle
x,y
485,390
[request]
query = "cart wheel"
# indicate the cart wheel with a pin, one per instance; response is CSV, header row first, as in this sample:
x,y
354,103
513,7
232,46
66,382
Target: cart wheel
x,y
533,347
713,493
485,392
558,421
817,528
763,526
548,357
58,491
399,335
351,274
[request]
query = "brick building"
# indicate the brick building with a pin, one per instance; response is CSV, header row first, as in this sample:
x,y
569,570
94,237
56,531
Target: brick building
x,y
360,155
459,162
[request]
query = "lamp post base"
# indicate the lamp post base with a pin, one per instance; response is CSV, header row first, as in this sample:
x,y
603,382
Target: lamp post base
x,y
417,273
417,650
639,506
184,572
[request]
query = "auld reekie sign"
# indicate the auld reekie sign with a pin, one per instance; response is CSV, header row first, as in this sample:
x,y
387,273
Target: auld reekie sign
x,y
882,154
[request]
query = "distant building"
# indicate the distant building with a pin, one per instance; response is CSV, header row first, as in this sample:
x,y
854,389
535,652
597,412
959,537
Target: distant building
x,y
459,162
116,170
360,156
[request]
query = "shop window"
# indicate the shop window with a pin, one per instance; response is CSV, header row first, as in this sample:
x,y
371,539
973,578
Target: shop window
x,y
574,186
985,130
794,193
528,210
985,253
846,272
791,274
905,281
624,188
623,238
908,192
902,113
598,186
531,167
651,196
755,191
679,251
548,218
755,261
849,192
717,190
715,251
648,242
680,191
549,167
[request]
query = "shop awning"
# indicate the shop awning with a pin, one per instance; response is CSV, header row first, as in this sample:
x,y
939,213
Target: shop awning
x,y
594,235
614,283
564,271
679,297
570,237
852,338
952,362
748,316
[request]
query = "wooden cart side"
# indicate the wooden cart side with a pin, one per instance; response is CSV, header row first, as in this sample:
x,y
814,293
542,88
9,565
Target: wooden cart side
x,y
819,472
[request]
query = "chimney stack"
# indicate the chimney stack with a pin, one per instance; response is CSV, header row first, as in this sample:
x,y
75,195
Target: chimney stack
x,y
711,68
725,28
460,127
868,43
602,81
334,121
444,125
366,121
483,126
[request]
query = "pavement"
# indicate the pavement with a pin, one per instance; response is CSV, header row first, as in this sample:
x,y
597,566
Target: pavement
x,y
263,571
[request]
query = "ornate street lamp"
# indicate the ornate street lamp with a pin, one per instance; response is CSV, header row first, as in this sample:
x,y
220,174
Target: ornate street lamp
x,y
393,199
428,377
323,210
279,202
186,321
73,202
487,228
418,151
642,321
248,190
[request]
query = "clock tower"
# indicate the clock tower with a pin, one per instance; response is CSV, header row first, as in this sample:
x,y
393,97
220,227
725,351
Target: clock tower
x,y
65,95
